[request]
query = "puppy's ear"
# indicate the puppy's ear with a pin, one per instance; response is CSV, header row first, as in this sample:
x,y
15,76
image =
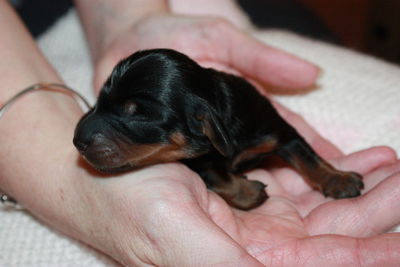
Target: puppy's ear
x,y
212,127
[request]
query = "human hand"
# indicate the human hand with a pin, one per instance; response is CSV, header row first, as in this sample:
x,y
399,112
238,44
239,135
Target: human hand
x,y
229,10
213,42
164,216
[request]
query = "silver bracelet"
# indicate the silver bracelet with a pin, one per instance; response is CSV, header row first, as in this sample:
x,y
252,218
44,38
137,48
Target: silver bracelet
x,y
5,200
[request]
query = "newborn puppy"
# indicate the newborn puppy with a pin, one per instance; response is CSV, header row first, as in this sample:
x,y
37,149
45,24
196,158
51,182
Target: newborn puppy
x,y
160,106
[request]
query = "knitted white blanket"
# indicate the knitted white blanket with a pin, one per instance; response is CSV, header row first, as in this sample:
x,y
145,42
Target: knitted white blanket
x,y
356,107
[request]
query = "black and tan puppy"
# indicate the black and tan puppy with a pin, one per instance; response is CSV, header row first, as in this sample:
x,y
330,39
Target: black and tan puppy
x,y
161,106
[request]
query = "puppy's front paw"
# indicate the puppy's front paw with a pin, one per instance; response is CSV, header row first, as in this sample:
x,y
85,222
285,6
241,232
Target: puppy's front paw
x,y
343,185
251,194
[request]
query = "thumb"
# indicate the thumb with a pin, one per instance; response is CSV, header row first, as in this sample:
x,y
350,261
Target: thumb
x,y
195,240
102,70
104,66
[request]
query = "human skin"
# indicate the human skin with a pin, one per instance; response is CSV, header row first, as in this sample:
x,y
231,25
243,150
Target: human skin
x,y
114,30
163,215
228,10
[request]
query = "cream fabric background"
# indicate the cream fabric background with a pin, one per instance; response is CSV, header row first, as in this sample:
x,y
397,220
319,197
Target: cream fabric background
x,y
356,107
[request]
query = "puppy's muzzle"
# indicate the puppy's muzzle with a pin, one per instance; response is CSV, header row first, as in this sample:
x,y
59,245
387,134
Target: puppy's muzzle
x,y
99,151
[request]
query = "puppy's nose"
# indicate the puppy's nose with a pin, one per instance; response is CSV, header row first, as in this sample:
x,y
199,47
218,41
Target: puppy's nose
x,y
80,145
84,143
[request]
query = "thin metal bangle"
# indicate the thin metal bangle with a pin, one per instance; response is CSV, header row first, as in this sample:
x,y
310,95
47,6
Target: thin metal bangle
x,y
6,200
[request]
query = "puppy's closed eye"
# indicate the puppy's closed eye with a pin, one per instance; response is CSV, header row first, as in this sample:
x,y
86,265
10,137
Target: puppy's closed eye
x,y
130,107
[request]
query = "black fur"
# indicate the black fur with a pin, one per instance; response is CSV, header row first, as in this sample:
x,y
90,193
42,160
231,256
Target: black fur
x,y
216,123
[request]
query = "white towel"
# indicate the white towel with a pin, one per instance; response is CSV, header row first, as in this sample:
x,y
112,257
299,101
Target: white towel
x,y
356,107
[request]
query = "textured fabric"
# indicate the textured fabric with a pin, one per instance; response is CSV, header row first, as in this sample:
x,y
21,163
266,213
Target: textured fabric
x,y
357,106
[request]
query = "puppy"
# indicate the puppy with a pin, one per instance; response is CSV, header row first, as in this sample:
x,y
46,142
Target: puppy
x,y
161,106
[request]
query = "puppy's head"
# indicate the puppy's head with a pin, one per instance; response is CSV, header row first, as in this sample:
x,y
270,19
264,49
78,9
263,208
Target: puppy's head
x,y
155,107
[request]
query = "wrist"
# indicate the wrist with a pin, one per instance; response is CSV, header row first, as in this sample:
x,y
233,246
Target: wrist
x,y
39,165
41,168
35,130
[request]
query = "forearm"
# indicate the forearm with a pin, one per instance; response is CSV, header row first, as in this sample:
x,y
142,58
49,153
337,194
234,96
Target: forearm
x,y
21,61
103,19
36,132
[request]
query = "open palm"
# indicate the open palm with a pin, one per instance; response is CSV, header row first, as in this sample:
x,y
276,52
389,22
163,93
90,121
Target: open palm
x,y
175,221
299,227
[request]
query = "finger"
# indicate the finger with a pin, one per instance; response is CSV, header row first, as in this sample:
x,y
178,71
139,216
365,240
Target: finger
x,y
362,162
378,208
380,174
218,66
366,160
102,71
330,250
267,65
105,64
367,215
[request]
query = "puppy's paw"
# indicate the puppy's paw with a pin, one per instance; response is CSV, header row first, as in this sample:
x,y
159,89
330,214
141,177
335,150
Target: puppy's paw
x,y
343,185
251,194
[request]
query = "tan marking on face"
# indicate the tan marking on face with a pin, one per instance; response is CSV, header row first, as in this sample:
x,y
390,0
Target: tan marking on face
x,y
152,154
147,154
